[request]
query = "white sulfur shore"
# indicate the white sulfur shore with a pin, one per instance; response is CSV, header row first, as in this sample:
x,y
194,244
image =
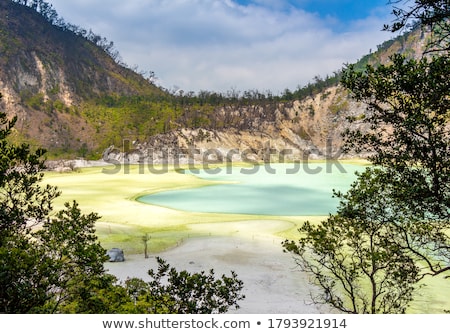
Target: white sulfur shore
x,y
272,282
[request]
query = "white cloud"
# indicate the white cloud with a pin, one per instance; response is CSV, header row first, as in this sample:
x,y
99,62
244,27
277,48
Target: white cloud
x,y
218,44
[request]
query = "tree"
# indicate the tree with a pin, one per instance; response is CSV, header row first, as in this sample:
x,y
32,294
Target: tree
x,y
23,204
69,242
391,228
145,239
44,259
408,111
433,14
353,256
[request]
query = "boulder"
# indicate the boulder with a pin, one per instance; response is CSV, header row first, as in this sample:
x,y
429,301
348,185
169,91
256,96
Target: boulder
x,y
115,255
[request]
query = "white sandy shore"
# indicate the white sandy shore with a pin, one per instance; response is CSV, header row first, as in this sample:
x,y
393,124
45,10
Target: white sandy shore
x,y
272,282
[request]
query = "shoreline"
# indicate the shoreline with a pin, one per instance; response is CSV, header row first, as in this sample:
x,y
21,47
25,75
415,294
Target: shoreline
x,y
71,165
272,283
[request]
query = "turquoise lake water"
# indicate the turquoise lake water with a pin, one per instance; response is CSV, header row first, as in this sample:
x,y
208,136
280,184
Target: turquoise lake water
x,y
275,189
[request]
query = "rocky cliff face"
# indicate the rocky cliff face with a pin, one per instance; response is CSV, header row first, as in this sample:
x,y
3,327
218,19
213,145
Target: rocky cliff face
x,y
307,129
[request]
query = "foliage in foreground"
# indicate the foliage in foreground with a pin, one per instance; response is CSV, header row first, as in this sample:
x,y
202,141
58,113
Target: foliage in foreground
x,y
391,227
183,292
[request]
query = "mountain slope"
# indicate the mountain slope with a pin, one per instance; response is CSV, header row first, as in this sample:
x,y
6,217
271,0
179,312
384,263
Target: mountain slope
x,y
48,73
73,98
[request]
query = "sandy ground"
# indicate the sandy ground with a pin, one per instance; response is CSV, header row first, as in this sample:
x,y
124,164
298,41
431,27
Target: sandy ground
x,y
272,282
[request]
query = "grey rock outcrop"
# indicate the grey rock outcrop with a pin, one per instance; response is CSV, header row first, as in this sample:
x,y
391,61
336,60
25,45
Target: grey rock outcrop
x,y
115,255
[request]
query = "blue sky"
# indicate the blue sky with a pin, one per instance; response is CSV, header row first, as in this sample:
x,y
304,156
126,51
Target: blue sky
x,y
219,45
343,10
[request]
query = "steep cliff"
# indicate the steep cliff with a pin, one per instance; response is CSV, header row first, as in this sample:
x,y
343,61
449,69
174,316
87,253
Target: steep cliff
x,y
308,129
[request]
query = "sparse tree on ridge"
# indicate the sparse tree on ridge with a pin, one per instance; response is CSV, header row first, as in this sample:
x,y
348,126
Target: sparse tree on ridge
x,y
432,14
